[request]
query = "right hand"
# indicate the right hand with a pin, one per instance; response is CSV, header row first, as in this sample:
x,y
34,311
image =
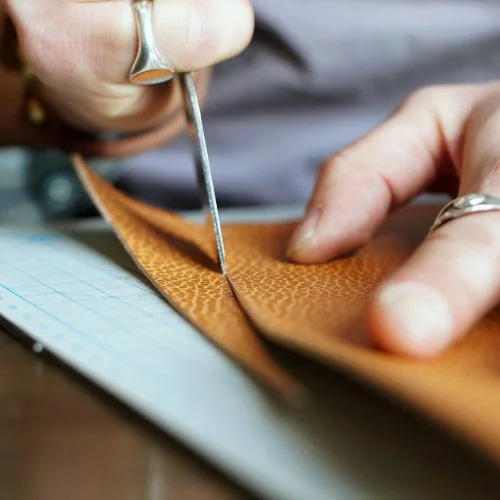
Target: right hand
x,y
81,52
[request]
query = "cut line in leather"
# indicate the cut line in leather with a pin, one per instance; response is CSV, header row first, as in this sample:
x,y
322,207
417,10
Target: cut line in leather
x,y
175,255
314,310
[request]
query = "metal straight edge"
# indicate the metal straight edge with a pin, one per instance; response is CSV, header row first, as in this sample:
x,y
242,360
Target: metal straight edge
x,y
202,162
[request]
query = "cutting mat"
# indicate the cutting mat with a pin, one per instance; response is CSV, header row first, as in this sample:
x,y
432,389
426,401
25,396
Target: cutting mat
x,y
74,291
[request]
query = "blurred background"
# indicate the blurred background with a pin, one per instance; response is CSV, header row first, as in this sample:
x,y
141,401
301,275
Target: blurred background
x,y
40,185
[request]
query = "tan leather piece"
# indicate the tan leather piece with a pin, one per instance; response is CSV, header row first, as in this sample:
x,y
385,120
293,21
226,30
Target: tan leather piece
x,y
314,309
174,254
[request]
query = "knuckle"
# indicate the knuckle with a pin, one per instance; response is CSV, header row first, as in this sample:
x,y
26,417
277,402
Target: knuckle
x,y
427,96
335,175
336,166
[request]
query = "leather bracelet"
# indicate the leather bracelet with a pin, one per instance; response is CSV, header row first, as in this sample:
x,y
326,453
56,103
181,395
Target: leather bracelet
x,y
106,144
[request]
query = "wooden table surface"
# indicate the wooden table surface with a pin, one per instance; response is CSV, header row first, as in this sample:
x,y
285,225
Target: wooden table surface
x,y
63,439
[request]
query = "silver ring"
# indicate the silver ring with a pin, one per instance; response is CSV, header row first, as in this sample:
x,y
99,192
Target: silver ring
x,y
149,67
465,205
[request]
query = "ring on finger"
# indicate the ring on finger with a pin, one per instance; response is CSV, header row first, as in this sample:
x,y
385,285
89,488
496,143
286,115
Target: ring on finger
x,y
149,68
466,205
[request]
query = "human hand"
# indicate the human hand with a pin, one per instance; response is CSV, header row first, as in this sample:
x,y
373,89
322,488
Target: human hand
x,y
82,50
441,139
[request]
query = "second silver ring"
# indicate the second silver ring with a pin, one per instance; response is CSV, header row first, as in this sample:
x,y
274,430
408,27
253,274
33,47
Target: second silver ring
x,y
465,205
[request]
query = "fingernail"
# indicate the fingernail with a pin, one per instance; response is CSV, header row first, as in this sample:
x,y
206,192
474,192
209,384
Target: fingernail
x,y
304,235
418,318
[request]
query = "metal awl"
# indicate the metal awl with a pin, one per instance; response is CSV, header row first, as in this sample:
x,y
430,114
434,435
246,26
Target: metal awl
x,y
202,162
149,68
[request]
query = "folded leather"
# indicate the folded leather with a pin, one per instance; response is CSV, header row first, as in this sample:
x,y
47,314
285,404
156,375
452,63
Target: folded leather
x,y
176,256
314,310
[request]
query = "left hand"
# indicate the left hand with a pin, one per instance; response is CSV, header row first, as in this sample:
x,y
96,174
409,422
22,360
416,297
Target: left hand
x,y
445,138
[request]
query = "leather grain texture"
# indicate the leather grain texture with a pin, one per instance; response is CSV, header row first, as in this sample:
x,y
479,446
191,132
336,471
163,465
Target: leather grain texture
x,y
314,310
176,256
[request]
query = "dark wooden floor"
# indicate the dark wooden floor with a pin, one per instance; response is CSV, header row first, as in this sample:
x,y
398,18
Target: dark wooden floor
x,y
62,439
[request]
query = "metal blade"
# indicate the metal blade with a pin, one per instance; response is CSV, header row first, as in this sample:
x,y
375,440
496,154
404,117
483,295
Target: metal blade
x,y
203,172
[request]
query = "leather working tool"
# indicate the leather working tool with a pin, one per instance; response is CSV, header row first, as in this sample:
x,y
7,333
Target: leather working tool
x,y
149,68
314,310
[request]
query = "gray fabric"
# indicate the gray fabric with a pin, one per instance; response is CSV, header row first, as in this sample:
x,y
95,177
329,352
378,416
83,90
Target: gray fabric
x,y
318,74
